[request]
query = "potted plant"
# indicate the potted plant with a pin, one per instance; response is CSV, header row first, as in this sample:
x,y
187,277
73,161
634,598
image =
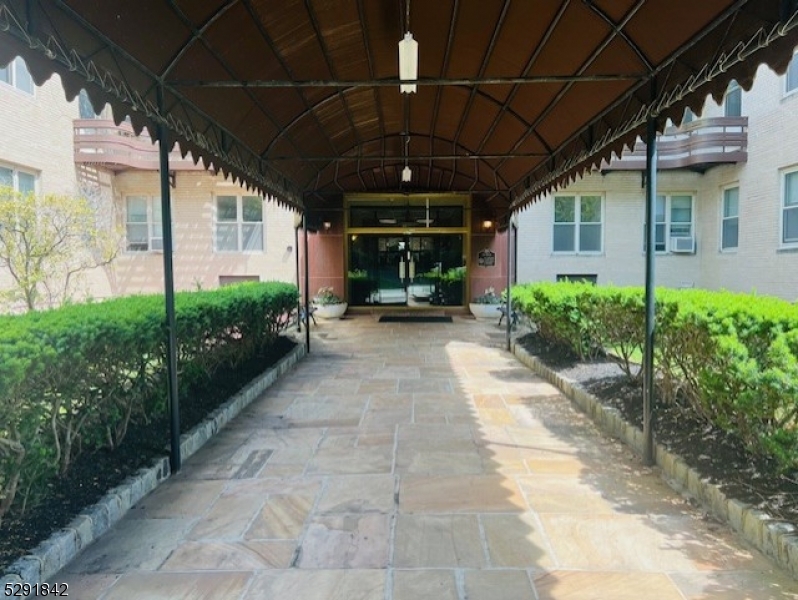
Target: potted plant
x,y
327,305
450,286
487,305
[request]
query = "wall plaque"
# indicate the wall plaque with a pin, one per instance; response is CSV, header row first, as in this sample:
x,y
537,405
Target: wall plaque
x,y
487,258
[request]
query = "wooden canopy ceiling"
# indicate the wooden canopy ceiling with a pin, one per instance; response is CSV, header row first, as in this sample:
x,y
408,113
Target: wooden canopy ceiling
x,y
300,98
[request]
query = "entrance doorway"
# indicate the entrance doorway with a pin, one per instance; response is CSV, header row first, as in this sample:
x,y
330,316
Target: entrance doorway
x,y
401,269
407,250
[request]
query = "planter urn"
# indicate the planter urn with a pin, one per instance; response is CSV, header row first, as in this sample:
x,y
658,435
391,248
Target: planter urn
x,y
330,311
484,311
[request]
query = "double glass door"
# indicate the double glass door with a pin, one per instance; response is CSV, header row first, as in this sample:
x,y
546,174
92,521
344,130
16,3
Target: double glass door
x,y
406,269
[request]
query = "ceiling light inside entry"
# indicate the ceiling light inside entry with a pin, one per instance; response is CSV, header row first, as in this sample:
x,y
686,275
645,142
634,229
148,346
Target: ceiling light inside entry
x,y
407,174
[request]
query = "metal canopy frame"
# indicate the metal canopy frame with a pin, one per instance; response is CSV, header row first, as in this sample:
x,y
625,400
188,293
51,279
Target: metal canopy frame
x,y
504,80
320,100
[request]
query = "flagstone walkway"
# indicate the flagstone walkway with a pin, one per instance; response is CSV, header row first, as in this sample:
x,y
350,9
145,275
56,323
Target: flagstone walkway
x,y
412,461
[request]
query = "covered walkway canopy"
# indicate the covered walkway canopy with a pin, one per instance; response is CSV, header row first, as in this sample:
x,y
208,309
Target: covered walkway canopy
x,y
301,100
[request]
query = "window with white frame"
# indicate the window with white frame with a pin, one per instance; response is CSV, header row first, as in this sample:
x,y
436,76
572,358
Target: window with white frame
x,y
16,74
730,219
673,218
239,224
789,214
791,77
578,224
144,224
733,101
20,181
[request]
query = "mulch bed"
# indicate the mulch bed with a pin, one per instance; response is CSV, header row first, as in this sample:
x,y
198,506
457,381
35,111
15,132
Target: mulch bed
x,y
719,456
93,474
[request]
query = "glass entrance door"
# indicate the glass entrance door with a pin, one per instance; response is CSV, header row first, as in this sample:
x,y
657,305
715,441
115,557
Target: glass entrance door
x,y
406,270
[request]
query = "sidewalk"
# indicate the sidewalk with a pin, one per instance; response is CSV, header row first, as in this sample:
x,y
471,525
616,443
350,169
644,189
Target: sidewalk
x,y
411,461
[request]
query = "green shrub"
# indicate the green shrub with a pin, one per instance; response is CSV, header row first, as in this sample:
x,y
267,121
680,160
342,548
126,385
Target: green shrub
x,y
731,357
619,320
562,314
75,378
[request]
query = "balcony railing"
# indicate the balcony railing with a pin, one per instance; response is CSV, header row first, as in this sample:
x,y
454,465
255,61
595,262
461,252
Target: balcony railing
x,y
697,145
116,147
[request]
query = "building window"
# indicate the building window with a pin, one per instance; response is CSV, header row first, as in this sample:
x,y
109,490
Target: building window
x,y
85,108
789,228
144,226
577,224
730,221
16,74
673,218
234,279
239,224
577,277
20,181
733,101
791,77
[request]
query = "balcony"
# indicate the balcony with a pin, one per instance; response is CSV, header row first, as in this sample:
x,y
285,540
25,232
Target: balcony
x,y
101,142
698,146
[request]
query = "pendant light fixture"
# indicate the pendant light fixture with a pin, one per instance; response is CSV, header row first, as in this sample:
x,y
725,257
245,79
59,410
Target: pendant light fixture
x,y
408,58
407,172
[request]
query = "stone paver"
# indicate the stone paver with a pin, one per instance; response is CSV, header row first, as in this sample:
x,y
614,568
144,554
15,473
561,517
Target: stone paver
x,y
427,583
406,461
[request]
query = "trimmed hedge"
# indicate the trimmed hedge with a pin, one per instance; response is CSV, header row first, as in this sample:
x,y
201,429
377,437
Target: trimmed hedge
x,y
732,357
73,379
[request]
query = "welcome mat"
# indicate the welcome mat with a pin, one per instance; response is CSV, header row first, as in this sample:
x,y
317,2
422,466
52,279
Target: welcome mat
x,y
413,319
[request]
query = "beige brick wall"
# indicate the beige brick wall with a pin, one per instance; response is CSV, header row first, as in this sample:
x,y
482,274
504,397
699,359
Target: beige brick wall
x,y
622,261
758,264
39,139
37,135
196,263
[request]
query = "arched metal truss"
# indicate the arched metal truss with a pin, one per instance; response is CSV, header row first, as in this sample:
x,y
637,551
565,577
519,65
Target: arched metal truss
x,y
523,88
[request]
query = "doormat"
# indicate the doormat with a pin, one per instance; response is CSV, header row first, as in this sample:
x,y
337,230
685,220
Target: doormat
x,y
413,319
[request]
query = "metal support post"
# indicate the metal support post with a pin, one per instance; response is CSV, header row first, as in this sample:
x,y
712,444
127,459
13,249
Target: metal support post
x,y
510,261
298,286
169,294
307,284
648,353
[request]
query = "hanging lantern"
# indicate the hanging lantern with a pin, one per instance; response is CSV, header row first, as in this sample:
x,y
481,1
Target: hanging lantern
x,y
408,63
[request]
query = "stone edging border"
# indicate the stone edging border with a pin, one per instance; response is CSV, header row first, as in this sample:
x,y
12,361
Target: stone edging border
x,y
53,554
778,540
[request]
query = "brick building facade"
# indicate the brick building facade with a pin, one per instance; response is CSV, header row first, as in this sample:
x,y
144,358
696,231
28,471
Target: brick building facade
x,y
222,232
723,222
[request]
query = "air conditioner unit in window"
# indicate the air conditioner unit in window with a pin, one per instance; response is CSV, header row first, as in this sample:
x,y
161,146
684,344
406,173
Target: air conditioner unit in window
x,y
683,245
